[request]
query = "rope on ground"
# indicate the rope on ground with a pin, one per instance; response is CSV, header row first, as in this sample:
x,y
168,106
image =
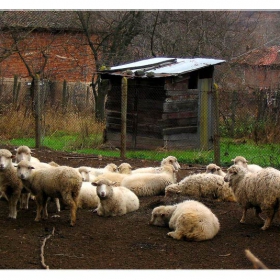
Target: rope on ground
x,y
43,248
255,261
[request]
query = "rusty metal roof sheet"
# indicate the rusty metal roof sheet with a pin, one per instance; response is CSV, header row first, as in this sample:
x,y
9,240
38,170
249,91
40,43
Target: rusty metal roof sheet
x,y
162,66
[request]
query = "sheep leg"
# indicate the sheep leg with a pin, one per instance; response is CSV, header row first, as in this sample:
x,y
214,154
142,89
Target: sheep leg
x,y
24,199
175,234
39,202
257,213
71,202
13,200
268,220
242,221
45,207
57,203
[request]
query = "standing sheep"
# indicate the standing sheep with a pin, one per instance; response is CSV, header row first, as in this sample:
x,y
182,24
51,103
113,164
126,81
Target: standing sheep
x,y
242,161
58,182
189,219
24,152
149,184
114,201
202,185
215,169
10,185
259,190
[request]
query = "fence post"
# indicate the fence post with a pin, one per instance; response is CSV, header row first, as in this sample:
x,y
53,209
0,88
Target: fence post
x,y
123,117
38,111
216,132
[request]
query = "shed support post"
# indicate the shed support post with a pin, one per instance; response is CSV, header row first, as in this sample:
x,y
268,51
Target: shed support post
x,y
217,156
38,111
123,117
204,114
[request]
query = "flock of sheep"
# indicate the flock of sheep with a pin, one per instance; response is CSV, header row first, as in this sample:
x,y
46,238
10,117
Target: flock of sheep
x,y
115,190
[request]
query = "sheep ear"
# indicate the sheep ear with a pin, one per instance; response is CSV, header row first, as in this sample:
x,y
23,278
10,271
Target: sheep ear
x,y
113,183
94,183
30,167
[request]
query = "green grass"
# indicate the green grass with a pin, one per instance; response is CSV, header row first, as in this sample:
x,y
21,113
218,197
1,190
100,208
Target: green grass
x,y
264,155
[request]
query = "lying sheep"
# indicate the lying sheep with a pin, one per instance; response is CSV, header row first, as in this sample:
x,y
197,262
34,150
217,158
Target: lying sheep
x,y
114,201
124,171
88,197
57,182
24,152
149,184
202,185
215,169
189,219
259,190
10,185
169,160
243,162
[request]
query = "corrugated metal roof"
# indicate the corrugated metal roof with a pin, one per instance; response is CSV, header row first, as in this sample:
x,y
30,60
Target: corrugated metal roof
x,y
162,66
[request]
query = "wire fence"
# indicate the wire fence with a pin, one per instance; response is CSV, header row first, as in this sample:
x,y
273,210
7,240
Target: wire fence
x,y
220,123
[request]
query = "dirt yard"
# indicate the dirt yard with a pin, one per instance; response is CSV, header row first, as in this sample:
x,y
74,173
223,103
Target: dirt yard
x,y
128,242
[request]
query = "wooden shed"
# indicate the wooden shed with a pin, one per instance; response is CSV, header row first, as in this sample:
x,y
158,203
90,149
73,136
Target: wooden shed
x,y
169,103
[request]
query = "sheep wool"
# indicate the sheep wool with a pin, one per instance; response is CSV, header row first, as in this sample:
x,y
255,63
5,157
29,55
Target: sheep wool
x,y
259,190
114,201
190,220
149,184
88,198
57,182
202,185
24,152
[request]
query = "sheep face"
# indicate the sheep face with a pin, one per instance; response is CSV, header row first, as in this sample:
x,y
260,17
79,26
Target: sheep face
x,y
104,188
239,160
111,167
5,159
171,160
212,168
23,153
125,168
24,169
85,174
161,216
233,173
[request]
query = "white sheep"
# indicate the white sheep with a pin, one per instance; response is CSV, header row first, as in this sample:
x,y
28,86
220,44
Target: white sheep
x,y
202,185
215,169
114,201
24,152
242,161
10,185
124,171
88,197
168,160
259,190
149,184
57,182
190,220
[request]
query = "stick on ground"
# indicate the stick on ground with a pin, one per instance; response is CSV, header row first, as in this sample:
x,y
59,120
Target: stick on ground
x,y
255,261
43,248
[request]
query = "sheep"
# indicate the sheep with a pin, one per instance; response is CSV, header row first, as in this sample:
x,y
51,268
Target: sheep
x,y
114,201
149,184
89,174
10,185
243,162
202,185
57,182
24,152
124,171
169,160
88,197
189,219
215,169
259,190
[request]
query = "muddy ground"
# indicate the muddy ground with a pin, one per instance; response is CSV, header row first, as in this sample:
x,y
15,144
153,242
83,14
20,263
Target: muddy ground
x,y
128,242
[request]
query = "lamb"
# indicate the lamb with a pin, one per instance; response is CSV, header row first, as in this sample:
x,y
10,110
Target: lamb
x,y
24,152
58,182
169,160
243,162
189,219
259,190
202,185
124,171
149,184
88,197
10,185
114,201
215,169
